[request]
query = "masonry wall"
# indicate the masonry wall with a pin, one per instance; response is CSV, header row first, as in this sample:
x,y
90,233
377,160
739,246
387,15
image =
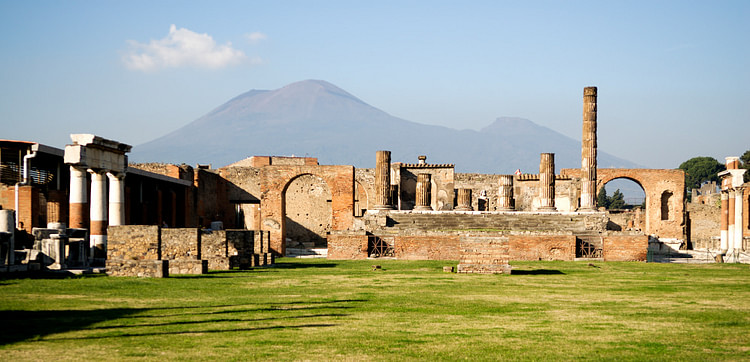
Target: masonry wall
x,y
133,242
347,245
430,246
213,203
442,194
181,243
705,224
484,253
625,247
542,247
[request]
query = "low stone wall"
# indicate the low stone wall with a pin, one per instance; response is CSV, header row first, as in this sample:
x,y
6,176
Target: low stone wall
x,y
134,242
624,247
542,247
214,249
432,246
347,245
484,254
181,244
138,268
185,266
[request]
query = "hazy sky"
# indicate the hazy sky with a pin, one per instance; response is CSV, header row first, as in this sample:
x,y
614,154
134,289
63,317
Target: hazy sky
x,y
673,76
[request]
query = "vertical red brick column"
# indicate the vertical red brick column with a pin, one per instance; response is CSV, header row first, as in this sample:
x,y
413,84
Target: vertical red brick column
x,y
588,151
423,192
98,228
505,200
547,182
383,181
78,204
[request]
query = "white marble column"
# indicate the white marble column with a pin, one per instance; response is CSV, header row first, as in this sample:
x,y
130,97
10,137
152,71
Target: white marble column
x,y
116,198
98,224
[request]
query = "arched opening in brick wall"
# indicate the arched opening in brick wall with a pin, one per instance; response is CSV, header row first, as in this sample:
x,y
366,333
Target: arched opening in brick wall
x,y
628,209
306,204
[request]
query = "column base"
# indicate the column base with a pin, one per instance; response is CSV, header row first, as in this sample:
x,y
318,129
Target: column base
x,y
383,207
506,209
423,208
464,208
547,209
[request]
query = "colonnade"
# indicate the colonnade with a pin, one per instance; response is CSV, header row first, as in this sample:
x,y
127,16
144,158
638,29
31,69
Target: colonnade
x,y
732,211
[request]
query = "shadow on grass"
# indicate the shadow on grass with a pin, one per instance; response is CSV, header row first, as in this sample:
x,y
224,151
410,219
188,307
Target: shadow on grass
x,y
22,325
283,265
48,274
537,272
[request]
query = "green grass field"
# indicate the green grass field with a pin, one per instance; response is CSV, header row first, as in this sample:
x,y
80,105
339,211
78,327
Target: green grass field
x,y
314,309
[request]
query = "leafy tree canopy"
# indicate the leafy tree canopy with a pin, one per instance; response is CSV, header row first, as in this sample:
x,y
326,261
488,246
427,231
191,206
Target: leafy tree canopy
x,y
701,169
745,163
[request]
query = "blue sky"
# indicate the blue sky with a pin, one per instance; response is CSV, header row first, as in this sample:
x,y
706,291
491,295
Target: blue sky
x,y
673,76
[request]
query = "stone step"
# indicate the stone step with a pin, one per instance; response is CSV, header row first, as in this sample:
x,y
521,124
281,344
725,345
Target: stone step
x,y
306,253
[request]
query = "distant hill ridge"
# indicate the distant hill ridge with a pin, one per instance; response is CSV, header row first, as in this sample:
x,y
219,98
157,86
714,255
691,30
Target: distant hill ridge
x,y
317,119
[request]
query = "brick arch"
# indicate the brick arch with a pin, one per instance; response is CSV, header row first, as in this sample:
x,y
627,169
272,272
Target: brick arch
x,y
655,183
274,181
313,215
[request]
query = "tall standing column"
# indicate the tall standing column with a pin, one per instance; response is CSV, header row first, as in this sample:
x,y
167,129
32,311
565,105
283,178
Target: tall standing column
x,y
464,200
730,223
78,201
588,151
383,180
98,228
738,220
724,225
505,201
547,182
116,198
423,192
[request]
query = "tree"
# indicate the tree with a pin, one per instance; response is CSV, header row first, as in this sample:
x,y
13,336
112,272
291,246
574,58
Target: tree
x,y
745,163
617,201
601,198
701,169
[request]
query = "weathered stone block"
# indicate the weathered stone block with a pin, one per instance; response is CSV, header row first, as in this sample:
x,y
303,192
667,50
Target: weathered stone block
x,y
138,268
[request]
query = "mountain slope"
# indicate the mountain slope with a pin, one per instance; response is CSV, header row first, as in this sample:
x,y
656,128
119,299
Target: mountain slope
x,y
317,119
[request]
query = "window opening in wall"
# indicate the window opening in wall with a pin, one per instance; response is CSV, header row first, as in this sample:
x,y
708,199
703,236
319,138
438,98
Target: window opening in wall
x,y
665,196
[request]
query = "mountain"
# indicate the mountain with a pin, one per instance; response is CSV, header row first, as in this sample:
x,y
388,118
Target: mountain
x,y
317,119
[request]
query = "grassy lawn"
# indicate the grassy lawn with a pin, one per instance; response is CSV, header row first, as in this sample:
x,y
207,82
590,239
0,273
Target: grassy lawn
x,y
315,309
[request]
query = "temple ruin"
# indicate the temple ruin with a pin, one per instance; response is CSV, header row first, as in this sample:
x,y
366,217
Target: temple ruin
x,y
87,206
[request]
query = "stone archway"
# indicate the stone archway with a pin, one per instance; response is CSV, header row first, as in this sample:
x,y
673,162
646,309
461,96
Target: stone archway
x,y
273,183
631,216
656,184
306,204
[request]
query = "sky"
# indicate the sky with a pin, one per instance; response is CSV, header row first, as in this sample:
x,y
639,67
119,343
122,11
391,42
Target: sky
x,y
673,77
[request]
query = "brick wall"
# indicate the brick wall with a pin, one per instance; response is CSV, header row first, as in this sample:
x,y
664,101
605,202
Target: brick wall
x,y
625,247
138,268
347,245
484,254
542,247
214,249
427,247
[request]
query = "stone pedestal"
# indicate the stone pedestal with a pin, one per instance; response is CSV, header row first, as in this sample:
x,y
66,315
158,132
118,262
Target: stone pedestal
x,y
464,200
505,192
7,237
423,192
382,199
588,151
547,182
57,251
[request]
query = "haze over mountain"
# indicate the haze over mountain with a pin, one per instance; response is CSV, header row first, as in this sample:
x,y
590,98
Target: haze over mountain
x,y
317,119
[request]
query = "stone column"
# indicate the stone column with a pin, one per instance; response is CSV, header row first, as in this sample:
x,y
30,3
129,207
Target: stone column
x,y
383,181
423,192
547,182
8,227
116,198
98,228
588,151
464,200
730,219
738,219
724,226
78,202
505,201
